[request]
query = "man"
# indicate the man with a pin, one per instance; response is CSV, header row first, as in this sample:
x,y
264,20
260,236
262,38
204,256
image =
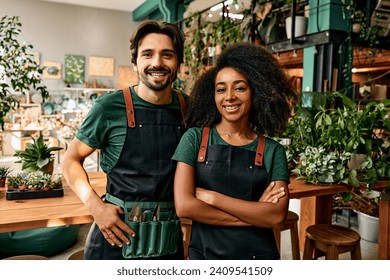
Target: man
x,y
137,131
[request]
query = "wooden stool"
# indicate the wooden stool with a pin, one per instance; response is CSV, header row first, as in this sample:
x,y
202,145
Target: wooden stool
x,y
186,225
291,223
333,240
78,255
27,257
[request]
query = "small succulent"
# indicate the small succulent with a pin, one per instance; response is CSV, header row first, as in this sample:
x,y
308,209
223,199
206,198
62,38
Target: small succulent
x,y
13,181
5,171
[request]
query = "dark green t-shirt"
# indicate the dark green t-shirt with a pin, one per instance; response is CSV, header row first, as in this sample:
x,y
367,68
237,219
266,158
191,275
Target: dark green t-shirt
x,y
106,124
275,160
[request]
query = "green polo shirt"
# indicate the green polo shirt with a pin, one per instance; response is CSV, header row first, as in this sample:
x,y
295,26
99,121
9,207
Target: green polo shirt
x,y
275,160
106,124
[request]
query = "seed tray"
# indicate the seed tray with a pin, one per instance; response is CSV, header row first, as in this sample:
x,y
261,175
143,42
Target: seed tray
x,y
29,194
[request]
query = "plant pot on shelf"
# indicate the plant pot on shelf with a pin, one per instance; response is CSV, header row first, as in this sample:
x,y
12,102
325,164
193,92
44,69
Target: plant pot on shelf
x,y
356,160
368,227
300,26
368,220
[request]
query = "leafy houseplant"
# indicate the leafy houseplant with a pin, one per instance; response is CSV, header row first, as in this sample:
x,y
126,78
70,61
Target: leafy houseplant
x,y
19,69
37,156
338,130
4,172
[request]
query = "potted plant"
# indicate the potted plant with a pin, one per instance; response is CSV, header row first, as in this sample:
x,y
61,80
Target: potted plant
x,y
34,182
22,179
56,181
12,182
45,180
37,156
4,172
20,70
365,204
324,139
340,129
358,18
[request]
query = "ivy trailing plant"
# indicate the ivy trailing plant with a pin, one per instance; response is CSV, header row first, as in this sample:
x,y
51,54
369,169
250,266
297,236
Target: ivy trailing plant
x,y
201,35
19,69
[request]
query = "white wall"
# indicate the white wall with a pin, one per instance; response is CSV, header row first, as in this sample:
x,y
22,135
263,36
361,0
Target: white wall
x,y
59,29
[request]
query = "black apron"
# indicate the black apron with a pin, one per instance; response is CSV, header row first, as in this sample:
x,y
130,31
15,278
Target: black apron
x,y
144,171
231,171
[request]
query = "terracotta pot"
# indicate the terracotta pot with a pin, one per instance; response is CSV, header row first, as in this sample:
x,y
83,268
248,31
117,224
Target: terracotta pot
x,y
11,188
23,187
48,168
2,182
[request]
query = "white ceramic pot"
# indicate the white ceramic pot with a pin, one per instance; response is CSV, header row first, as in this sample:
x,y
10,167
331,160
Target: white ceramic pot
x,y
368,227
300,26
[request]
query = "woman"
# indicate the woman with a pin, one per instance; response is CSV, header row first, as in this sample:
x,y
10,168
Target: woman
x,y
222,176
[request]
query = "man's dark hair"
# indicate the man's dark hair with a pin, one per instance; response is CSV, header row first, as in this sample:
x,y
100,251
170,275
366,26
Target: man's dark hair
x,y
169,29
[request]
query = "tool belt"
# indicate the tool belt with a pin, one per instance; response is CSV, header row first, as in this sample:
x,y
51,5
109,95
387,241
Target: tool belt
x,y
153,237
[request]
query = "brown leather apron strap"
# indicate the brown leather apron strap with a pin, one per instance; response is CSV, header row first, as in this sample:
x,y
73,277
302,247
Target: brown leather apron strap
x,y
260,151
203,144
183,105
129,108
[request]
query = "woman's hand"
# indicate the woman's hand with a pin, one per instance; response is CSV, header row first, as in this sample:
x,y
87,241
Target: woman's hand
x,y
272,193
204,195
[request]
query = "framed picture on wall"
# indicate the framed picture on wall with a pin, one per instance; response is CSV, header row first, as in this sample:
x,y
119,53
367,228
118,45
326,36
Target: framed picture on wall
x,y
74,69
53,70
101,66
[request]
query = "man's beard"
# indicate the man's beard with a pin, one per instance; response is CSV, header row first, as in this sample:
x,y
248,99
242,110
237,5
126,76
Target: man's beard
x,y
157,85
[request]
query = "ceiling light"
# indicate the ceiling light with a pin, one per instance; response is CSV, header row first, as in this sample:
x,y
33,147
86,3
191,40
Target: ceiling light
x,y
220,5
234,16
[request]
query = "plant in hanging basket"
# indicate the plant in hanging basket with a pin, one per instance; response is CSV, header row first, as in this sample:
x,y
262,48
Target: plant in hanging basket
x,y
37,155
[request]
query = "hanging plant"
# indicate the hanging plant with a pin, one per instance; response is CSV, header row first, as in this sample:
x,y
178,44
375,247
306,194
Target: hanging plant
x,y
19,69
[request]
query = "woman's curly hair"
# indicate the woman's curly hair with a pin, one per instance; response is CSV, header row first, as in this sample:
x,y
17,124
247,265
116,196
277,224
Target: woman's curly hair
x,y
272,94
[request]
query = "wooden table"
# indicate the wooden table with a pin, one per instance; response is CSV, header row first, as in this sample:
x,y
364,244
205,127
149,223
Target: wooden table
x,y
315,207
316,203
48,212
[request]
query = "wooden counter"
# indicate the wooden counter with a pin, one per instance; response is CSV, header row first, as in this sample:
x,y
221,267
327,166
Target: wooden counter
x,y
48,212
